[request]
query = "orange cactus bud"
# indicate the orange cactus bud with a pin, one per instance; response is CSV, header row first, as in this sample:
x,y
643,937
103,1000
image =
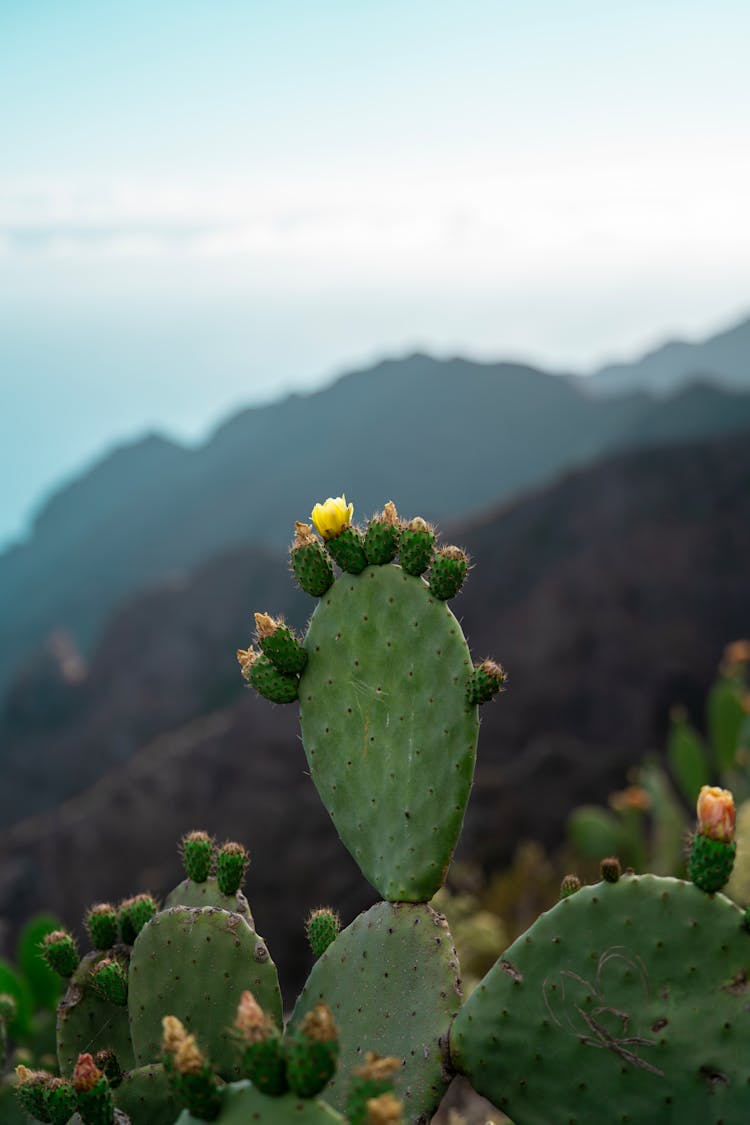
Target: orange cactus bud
x,y
716,814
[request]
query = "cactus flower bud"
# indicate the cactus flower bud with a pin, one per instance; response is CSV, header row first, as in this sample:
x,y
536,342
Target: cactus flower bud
x,y
333,517
716,814
86,1073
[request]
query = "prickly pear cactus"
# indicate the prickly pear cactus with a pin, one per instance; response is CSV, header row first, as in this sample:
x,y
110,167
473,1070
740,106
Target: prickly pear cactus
x,y
86,1021
196,963
387,695
391,979
201,887
627,1002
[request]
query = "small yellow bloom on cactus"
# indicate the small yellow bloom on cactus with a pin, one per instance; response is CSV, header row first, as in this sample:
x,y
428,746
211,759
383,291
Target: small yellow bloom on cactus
x,y
716,814
333,517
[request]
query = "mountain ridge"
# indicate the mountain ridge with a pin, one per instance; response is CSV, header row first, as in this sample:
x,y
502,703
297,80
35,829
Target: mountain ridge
x,y
449,436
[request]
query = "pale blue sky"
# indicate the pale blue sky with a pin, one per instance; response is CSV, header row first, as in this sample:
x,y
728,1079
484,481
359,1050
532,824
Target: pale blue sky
x,y
205,204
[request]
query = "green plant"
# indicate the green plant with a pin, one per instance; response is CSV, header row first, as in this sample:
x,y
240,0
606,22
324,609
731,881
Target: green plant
x,y
183,1005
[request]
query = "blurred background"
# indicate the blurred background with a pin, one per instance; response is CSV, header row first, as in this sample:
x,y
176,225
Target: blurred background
x,y
488,260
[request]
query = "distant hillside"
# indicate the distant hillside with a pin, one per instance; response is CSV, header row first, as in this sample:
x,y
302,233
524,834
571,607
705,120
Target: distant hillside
x,y
609,598
446,437
722,359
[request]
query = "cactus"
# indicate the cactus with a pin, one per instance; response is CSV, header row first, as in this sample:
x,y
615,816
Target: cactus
x,y
87,1021
196,963
391,979
625,1002
389,722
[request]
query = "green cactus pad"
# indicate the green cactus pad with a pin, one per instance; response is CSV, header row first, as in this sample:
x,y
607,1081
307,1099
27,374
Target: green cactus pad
x,y
627,1002
194,964
146,1096
391,981
86,1022
207,893
388,733
242,1103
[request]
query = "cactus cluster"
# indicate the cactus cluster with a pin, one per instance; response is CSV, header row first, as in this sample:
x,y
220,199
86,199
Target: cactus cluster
x,y
626,1002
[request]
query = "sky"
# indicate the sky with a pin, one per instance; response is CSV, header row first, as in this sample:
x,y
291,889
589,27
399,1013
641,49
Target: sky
x,y
204,205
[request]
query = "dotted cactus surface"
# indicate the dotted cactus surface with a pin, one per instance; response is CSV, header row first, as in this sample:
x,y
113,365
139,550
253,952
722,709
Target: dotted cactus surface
x,y
243,1104
195,964
389,737
391,980
207,893
87,1022
627,1002
146,1096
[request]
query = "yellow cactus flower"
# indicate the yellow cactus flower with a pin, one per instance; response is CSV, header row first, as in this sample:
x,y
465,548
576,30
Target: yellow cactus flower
x,y
716,813
333,517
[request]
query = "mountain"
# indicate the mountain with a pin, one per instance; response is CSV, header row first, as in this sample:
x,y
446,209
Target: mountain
x,y
608,596
446,437
723,359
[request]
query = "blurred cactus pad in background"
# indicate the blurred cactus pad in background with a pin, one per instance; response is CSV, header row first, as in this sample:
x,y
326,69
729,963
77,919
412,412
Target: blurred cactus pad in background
x,y
625,1001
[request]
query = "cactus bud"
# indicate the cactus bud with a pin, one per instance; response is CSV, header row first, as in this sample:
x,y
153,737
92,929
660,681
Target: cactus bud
x,y
133,914
382,536
111,981
265,677
611,869
312,567
448,572
280,645
369,1083
197,850
716,814
712,848
101,923
60,952
569,886
416,546
30,1090
95,1103
107,1061
312,1052
386,1109
172,1035
263,1059
322,928
231,865
86,1073
194,1080
60,1101
487,679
